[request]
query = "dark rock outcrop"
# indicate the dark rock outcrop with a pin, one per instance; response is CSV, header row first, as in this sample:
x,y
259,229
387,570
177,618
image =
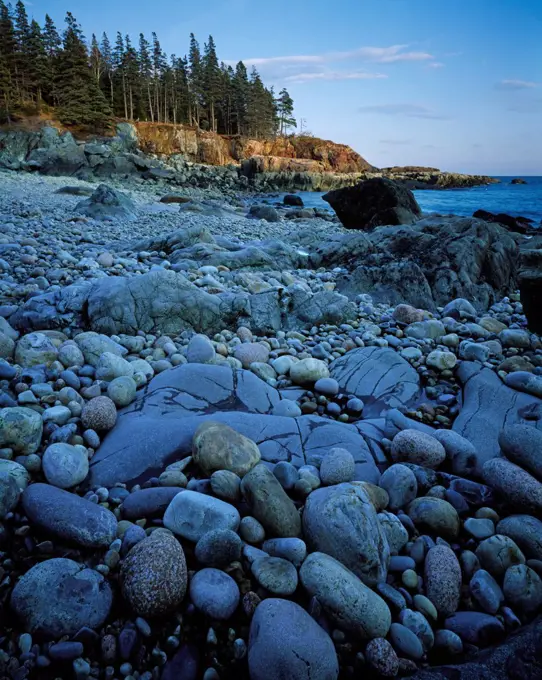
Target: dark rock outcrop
x,y
107,204
530,288
520,224
426,264
518,180
373,203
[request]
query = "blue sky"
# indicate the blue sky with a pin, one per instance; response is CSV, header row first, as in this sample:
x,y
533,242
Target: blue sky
x,y
454,85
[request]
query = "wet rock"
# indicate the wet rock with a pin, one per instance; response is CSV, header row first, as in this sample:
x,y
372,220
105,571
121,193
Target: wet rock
x,y
191,515
443,579
218,447
214,593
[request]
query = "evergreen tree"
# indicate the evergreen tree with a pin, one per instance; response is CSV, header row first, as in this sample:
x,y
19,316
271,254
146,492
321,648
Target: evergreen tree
x,y
7,62
38,70
96,61
120,102
81,100
285,110
240,94
212,81
22,57
108,68
196,78
159,65
145,73
52,45
131,71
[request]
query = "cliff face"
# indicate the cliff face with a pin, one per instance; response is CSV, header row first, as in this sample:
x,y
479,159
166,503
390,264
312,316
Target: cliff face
x,y
299,154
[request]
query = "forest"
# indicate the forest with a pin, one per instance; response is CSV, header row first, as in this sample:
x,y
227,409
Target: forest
x,y
91,83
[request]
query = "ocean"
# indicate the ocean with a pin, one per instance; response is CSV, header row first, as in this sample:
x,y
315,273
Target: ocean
x,y
512,199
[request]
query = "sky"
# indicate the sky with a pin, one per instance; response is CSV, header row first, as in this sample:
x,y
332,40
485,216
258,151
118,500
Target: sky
x,y
454,85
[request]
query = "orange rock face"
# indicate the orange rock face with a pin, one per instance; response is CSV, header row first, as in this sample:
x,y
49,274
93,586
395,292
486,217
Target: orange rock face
x,y
283,154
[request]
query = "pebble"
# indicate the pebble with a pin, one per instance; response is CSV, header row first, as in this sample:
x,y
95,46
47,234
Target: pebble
x,y
218,548
337,466
277,575
486,591
191,515
214,593
64,465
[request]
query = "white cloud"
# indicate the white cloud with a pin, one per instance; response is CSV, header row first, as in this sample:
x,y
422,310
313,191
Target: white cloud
x,y
516,85
405,110
435,64
333,75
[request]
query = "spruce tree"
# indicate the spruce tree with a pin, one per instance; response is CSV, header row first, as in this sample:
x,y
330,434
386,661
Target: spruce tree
x,y
52,45
212,81
131,71
22,57
107,77
96,61
80,99
7,62
120,105
37,68
145,73
196,78
240,94
285,110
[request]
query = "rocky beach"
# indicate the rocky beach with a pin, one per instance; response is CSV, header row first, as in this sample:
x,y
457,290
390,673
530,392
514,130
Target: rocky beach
x,y
242,439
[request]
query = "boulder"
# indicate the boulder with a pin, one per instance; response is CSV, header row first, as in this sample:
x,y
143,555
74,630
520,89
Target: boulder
x,y
521,225
285,641
530,288
191,515
342,522
217,447
59,596
372,203
292,199
107,203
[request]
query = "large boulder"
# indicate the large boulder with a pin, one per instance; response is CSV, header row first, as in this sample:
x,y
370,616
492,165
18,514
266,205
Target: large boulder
x,y
342,522
427,264
107,204
374,202
57,154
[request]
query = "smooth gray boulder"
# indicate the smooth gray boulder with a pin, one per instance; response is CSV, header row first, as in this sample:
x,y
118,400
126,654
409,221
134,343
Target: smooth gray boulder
x,y
191,515
59,596
379,377
107,204
69,517
286,642
525,531
342,522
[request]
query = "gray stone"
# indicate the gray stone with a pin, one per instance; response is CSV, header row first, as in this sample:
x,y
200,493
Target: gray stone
x,y
525,382
218,447
308,371
486,591
412,446
122,391
479,528
349,603
436,515
522,588
93,345
517,487
59,596
149,503
479,629
277,575
285,641
214,593
251,530
200,350
378,376
69,517
17,471
328,386
191,515
9,493
286,473
34,349
522,444
419,625
107,204
218,548
382,658
394,530
153,575
270,504
342,522
525,531
65,465
112,366
337,466
99,414
20,429
226,485
443,579
498,553
460,451
405,641
251,352
292,549
400,484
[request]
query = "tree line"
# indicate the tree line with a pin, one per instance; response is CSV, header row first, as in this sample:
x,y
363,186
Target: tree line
x,y
90,84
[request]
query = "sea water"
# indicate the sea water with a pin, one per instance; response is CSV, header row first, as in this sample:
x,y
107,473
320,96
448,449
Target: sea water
x,y
512,199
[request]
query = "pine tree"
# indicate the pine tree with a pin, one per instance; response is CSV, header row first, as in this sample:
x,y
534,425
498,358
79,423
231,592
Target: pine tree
x,y
131,71
120,104
212,81
145,73
107,78
285,110
81,100
37,70
7,62
22,57
159,65
196,78
52,45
